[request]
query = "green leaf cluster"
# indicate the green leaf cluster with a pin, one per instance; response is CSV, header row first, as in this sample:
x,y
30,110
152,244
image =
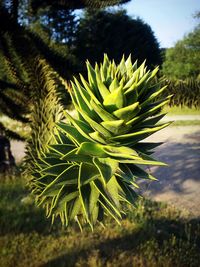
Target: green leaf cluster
x,y
93,166
182,60
20,50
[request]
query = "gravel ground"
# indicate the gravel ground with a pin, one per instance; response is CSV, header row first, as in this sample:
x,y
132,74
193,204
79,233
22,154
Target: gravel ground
x,y
179,183
18,150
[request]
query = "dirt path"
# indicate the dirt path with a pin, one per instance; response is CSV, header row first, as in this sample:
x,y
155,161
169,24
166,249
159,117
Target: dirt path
x,y
18,150
181,117
179,184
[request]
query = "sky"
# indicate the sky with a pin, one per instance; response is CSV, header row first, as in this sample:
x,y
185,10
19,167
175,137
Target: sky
x,y
169,19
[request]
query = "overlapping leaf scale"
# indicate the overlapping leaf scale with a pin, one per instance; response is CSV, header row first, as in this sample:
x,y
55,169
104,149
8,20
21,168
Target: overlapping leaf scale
x,y
67,184
94,164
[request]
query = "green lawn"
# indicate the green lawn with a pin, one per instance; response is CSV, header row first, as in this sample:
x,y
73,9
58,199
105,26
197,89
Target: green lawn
x,y
181,111
186,123
153,234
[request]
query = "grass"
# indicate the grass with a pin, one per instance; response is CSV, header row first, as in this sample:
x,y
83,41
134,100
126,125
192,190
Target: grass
x,y
181,110
186,123
153,234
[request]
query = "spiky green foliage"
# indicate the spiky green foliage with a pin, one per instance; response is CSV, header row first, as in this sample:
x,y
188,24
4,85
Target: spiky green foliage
x,y
93,166
17,74
185,92
78,4
13,86
45,112
19,46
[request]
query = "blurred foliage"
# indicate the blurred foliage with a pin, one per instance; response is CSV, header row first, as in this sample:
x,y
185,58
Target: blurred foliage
x,y
17,127
115,33
78,4
182,69
60,24
184,92
20,48
33,30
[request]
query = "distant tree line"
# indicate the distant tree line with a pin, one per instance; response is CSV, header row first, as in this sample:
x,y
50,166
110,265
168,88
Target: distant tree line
x,y
182,60
182,69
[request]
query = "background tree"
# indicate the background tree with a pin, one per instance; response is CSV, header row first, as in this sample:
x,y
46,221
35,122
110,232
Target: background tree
x,y
115,33
20,46
182,61
78,4
181,67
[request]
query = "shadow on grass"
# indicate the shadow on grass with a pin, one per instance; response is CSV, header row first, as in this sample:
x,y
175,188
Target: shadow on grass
x,y
17,216
159,236
151,233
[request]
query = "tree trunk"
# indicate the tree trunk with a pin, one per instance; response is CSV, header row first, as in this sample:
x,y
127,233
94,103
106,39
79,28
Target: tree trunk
x,y
15,6
7,161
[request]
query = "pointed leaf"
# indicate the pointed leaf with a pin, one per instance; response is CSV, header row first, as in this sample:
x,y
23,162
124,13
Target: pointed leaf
x,y
93,203
101,86
102,113
112,188
143,133
96,136
73,133
75,208
92,149
114,100
95,125
140,173
120,152
129,194
127,113
87,173
57,168
83,128
114,85
89,90
107,168
106,197
62,148
115,127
